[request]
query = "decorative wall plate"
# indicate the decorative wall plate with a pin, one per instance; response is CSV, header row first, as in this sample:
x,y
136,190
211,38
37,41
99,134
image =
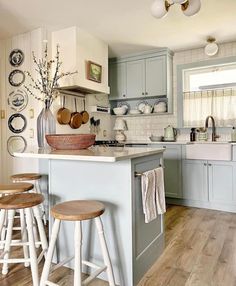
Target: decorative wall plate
x,y
18,100
16,57
141,105
16,144
17,123
16,78
124,103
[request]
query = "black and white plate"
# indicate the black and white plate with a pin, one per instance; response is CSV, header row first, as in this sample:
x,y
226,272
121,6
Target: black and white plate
x,y
16,57
124,103
16,144
18,100
16,78
17,123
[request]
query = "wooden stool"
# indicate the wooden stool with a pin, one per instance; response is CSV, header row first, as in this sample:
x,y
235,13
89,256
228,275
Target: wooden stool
x,y
22,177
9,189
28,204
78,211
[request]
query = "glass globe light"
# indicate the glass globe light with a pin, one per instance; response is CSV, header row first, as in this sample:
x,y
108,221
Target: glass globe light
x,y
159,8
191,7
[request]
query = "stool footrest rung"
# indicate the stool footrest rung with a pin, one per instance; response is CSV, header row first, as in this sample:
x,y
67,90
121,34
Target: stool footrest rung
x,y
15,260
66,260
90,264
50,283
93,275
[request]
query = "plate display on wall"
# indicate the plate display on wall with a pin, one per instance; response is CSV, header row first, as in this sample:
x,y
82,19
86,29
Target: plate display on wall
x,y
16,144
124,103
16,57
18,100
16,78
17,123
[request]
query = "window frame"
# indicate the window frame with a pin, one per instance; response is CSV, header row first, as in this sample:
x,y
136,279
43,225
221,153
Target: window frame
x,y
180,79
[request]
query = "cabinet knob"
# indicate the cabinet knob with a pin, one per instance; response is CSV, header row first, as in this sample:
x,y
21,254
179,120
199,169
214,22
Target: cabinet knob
x,y
124,95
210,165
143,93
205,164
146,93
164,147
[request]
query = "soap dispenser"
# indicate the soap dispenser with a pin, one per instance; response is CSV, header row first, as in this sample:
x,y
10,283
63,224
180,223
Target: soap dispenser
x,y
233,135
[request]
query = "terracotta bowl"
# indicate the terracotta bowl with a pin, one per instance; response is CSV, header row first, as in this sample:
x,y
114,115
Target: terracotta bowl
x,y
70,141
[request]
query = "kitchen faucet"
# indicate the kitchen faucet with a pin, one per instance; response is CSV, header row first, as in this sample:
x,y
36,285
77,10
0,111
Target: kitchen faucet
x,y
214,136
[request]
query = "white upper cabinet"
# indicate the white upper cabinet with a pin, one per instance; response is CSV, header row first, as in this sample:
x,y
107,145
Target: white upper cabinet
x,y
117,79
135,79
77,47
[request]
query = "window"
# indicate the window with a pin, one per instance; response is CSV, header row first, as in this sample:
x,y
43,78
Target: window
x,y
209,90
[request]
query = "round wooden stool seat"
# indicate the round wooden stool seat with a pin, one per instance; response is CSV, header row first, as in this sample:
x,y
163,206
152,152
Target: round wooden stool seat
x,y
77,210
26,177
15,188
21,201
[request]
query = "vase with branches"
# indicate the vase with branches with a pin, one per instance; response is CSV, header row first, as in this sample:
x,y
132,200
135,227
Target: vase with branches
x,y
45,89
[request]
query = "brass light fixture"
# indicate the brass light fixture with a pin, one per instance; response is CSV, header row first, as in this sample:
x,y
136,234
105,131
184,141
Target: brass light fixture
x,y
160,8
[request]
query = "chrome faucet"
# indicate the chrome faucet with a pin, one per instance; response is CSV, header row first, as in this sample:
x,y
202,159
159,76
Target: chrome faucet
x,y
214,136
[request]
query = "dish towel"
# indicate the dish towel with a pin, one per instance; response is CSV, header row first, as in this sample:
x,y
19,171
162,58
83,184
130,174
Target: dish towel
x,y
153,194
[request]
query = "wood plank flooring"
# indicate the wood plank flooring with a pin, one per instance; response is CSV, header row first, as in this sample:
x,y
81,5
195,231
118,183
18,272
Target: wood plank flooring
x,y
200,251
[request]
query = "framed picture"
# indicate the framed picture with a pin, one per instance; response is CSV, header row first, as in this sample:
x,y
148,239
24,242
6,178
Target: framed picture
x,y
94,71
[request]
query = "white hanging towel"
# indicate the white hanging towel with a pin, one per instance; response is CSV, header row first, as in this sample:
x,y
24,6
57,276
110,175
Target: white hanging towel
x,y
160,191
153,194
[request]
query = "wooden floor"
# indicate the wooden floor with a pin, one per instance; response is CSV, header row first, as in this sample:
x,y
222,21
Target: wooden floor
x,y
200,251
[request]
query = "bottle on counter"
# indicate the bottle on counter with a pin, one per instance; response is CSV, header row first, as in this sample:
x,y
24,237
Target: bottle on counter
x,y
233,135
193,134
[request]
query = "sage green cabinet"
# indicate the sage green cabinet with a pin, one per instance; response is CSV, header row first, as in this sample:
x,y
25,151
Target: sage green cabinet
x,y
172,172
117,80
142,75
195,186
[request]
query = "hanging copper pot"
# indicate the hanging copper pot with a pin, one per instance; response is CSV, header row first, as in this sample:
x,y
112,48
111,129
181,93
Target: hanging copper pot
x,y
84,114
63,114
76,118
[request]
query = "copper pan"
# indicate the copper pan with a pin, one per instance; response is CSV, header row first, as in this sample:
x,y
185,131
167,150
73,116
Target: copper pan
x,y
84,114
63,114
76,118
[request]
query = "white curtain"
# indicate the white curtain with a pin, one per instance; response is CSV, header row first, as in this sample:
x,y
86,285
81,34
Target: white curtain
x,y
220,103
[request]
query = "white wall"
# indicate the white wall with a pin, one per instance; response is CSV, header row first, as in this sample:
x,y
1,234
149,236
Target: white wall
x,y
140,128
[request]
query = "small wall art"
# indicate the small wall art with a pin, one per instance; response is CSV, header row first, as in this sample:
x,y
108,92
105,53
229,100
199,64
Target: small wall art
x,y
94,71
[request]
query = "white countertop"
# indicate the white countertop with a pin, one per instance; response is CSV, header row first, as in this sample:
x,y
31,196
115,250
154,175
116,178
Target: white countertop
x,y
96,154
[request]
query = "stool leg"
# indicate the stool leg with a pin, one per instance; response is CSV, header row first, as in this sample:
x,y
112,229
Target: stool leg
x,y
32,250
48,261
24,236
2,226
38,191
7,248
106,257
42,234
35,230
78,256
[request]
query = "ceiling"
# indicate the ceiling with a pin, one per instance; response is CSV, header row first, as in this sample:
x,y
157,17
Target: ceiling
x,y
126,25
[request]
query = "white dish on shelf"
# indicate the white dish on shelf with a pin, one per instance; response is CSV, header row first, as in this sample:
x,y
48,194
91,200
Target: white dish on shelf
x,y
154,138
141,105
120,110
134,111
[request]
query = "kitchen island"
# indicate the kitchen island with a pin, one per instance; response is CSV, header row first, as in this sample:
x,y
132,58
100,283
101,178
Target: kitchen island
x,y
107,174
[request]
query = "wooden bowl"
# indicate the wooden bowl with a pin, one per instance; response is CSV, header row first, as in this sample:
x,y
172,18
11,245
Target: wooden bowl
x,y
70,141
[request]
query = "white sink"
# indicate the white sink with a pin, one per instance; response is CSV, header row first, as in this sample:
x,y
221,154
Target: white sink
x,y
209,151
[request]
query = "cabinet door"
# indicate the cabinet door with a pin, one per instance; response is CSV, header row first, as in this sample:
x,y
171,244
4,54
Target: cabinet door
x,y
195,180
117,80
135,79
172,162
156,76
222,182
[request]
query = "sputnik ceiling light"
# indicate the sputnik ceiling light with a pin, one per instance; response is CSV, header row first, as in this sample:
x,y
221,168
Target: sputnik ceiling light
x,y
160,8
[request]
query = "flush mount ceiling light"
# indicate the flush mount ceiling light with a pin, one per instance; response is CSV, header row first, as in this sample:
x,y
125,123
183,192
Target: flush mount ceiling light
x,y
211,48
160,8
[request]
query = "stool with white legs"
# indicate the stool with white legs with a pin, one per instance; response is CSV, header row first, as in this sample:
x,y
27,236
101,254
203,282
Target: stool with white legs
x,y
78,211
35,178
10,189
28,204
